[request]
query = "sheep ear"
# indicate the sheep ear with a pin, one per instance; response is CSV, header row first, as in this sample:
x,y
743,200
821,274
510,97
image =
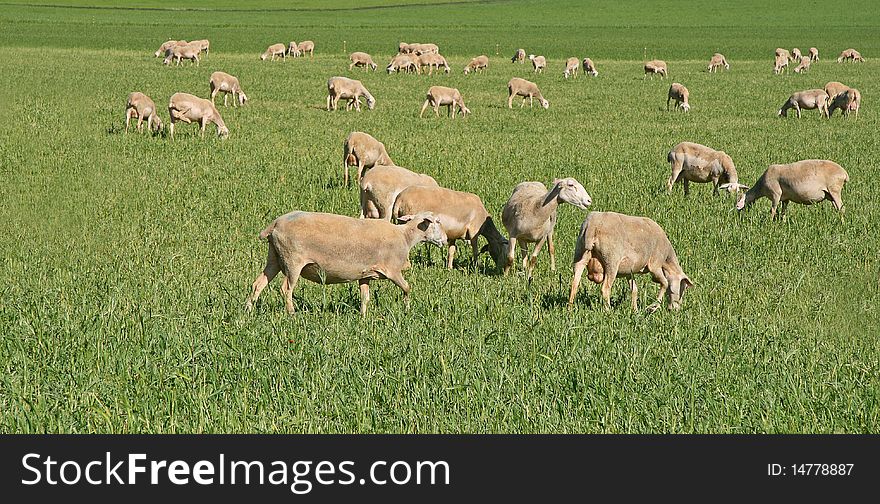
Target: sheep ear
x,y
724,186
403,219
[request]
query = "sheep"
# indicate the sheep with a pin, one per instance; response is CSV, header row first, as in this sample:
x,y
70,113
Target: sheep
x,y
589,67
381,185
307,46
611,244
364,151
847,101
188,108
717,61
462,216
203,45
180,52
679,94
538,62
814,54
795,55
404,61
571,67
693,162
804,65
526,89
805,182
222,82
141,106
780,64
420,49
529,216
834,88
350,89
519,56
293,49
331,249
851,55
477,65
782,53
656,67
432,61
361,59
273,51
168,44
442,95
809,99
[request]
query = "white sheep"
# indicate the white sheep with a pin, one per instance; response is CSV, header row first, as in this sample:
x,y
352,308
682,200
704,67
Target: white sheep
x,y
693,162
717,61
188,108
538,62
222,82
307,46
381,185
529,216
809,99
847,101
526,89
589,67
780,64
364,151
804,64
656,67
679,94
273,51
168,44
141,106
361,59
293,49
433,61
182,52
441,95
331,249
477,65
349,89
519,56
571,68
203,45
814,54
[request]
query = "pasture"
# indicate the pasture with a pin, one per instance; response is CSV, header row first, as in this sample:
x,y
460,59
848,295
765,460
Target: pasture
x,y
126,258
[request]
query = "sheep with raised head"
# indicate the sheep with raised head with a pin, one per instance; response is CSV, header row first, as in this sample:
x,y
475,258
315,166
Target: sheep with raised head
x,y
222,82
363,151
462,216
381,185
529,216
809,99
526,89
444,96
188,109
331,249
349,89
805,182
141,106
693,162
611,244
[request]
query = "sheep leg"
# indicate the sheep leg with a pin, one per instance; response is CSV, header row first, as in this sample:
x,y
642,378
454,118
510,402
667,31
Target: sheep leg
x,y
510,101
451,254
329,97
660,278
171,127
634,290
511,254
552,249
269,271
533,259
287,286
607,282
797,109
676,171
667,103
140,124
687,186
360,171
365,295
397,278
531,101
524,254
424,107
576,280
202,123
127,118
225,97
437,108
775,203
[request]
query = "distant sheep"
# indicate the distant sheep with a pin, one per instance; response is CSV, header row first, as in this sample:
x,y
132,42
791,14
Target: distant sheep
x,y
804,65
571,68
222,82
477,64
349,89
381,185
850,55
814,54
718,61
184,52
656,67
847,101
141,106
519,56
307,46
274,51
679,94
809,99
526,89
190,109
364,151
441,95
361,59
693,162
538,62
589,67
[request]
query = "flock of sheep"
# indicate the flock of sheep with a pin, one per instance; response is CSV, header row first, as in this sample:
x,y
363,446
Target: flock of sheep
x,y
609,244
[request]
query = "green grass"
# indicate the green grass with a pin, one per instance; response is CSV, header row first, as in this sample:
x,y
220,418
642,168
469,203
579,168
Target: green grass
x,y
127,258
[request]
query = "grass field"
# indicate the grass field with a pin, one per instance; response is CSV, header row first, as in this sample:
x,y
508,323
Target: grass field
x,y
126,258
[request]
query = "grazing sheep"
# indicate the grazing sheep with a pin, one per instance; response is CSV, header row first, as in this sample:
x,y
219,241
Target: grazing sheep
x,y
693,162
783,53
809,99
611,244
589,67
364,151
420,49
530,216
381,185
273,51
538,62
404,62
168,44
432,61
804,64
477,64
847,101
203,45
656,67
850,55
293,49
680,95
222,82
331,249
442,95
307,46
519,56
462,216
188,108
177,53
795,55
805,182
571,67
350,89
814,54
834,88
141,106
361,59
717,61
780,64
526,89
